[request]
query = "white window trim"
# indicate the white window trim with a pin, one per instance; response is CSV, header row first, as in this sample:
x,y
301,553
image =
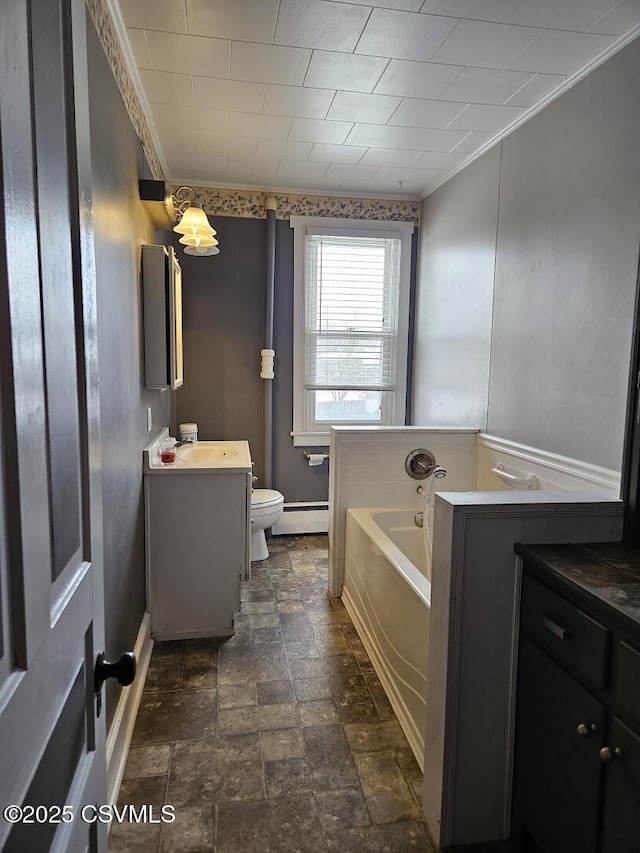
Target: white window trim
x,y
314,438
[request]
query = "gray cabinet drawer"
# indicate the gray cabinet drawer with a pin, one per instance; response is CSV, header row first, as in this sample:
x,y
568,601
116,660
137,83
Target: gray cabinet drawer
x,y
626,677
568,633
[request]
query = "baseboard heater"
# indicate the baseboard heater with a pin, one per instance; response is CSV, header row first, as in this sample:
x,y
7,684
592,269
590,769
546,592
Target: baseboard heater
x,y
304,517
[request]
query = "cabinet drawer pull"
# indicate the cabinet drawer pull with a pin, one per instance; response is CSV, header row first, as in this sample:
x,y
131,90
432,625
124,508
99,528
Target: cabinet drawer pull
x,y
557,630
585,730
608,754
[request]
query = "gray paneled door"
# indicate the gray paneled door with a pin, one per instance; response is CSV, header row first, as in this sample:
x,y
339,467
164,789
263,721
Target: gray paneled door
x,y
52,741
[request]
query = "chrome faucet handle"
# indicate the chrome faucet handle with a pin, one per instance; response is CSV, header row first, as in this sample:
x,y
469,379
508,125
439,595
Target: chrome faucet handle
x,y
254,479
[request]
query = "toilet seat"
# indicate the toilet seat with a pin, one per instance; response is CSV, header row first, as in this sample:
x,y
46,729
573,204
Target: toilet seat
x,y
261,498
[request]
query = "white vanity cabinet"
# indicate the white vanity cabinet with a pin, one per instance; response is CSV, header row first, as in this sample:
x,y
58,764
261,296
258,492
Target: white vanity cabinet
x,y
198,515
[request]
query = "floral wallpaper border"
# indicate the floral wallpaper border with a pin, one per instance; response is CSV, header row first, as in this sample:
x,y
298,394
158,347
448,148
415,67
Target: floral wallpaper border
x,y
250,204
103,21
225,202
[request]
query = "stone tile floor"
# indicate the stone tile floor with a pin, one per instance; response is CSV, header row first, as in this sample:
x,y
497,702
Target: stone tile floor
x,y
278,740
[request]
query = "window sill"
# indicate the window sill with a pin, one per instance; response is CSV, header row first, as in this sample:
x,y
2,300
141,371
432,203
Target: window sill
x,y
310,439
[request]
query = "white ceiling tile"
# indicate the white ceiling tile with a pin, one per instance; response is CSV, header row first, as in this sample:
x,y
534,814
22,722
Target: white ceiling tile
x,y
473,141
558,52
321,186
315,130
371,109
403,35
620,19
244,20
576,15
262,126
407,188
416,79
485,85
438,160
283,150
379,136
269,179
339,172
393,174
483,117
204,161
294,169
400,5
337,153
315,23
154,15
480,10
539,86
388,157
195,119
158,116
243,146
189,54
298,101
164,87
253,164
175,140
140,48
265,63
414,112
226,177
220,94
421,139
485,45
344,71
187,175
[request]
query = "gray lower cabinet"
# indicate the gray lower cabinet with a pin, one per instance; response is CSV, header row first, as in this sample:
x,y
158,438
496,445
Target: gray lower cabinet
x,y
197,551
577,745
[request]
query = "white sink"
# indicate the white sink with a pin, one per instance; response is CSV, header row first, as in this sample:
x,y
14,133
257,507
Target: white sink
x,y
205,453
204,457
214,454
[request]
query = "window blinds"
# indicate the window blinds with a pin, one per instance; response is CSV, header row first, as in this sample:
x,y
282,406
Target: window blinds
x,y
351,311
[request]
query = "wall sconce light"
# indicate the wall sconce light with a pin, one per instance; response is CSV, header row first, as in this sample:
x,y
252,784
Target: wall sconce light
x,y
198,237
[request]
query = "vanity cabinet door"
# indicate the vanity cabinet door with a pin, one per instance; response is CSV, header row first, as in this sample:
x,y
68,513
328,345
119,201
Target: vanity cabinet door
x,y
621,822
557,771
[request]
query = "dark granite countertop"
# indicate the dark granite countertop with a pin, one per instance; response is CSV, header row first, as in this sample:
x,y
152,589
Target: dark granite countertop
x,y
609,571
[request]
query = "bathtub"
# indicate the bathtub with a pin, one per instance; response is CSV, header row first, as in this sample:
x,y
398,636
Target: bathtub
x,y
387,593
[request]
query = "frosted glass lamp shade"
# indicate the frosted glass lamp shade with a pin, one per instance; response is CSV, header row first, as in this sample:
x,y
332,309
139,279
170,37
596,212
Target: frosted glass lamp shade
x,y
198,240
194,219
202,252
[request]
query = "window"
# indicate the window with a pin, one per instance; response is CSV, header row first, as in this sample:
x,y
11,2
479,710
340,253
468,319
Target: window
x,y
351,324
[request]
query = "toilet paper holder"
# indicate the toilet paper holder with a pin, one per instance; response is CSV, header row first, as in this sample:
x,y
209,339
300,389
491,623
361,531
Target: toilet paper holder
x,y
314,459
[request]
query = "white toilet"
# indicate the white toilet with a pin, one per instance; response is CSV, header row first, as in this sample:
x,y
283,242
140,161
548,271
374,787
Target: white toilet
x,y
266,509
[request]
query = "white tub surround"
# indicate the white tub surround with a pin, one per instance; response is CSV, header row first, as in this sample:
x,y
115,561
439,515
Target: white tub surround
x,y
387,594
367,469
473,646
552,471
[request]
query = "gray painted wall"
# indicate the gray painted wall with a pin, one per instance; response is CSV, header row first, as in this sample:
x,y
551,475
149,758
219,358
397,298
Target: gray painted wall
x,y
223,309
121,226
455,298
565,267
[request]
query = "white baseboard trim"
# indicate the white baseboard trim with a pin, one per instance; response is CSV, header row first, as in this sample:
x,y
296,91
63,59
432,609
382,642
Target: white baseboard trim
x,y
299,518
553,471
124,719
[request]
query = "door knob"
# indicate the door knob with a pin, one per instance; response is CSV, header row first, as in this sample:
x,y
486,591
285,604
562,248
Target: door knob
x,y
585,730
124,669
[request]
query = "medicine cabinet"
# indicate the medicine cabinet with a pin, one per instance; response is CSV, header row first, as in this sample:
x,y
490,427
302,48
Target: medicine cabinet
x,y
162,312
